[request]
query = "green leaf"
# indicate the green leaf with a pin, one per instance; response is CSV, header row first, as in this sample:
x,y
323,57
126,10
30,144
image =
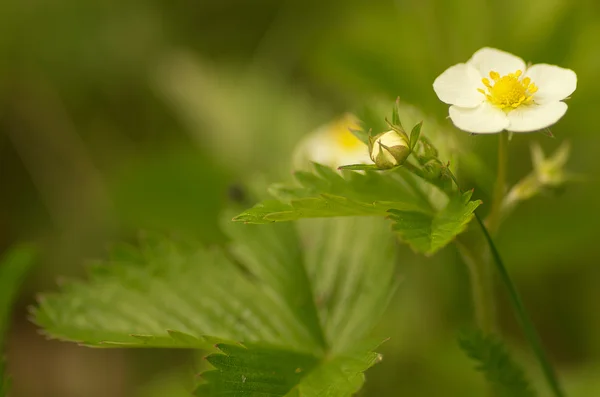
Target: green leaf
x,y
170,294
261,211
14,265
358,167
254,370
505,376
350,295
274,257
326,193
309,291
264,288
409,201
427,233
341,376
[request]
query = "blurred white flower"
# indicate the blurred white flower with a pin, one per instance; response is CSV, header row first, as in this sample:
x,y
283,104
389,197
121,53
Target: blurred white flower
x,y
333,145
495,91
389,149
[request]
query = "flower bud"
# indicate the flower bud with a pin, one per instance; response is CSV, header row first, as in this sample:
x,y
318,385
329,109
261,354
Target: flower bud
x,y
548,174
389,149
550,170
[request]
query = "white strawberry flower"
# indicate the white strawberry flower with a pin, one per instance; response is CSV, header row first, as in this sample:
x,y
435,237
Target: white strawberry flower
x,y
496,91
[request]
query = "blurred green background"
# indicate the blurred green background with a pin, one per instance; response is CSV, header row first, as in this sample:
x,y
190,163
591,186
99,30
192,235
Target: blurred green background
x,y
117,116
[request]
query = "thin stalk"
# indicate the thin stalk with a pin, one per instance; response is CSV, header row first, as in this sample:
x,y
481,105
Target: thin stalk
x,y
493,221
482,289
522,316
482,282
415,170
479,266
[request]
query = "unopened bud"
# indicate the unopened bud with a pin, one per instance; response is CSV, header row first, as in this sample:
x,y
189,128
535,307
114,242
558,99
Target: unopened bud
x,y
550,170
389,149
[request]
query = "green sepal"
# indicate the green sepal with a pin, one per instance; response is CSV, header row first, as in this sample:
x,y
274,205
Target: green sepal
x,y
396,113
400,153
415,134
433,170
398,129
426,151
371,143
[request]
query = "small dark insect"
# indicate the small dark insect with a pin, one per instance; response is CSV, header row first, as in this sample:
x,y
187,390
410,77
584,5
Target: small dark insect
x,y
237,193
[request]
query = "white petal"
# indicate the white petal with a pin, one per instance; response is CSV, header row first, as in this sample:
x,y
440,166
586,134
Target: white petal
x,y
491,59
313,147
458,86
535,117
484,119
554,83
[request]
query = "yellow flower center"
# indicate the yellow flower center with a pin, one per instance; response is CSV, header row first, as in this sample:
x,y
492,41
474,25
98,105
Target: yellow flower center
x,y
342,135
508,92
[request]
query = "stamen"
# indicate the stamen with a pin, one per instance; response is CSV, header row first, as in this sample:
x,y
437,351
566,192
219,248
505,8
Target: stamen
x,y
508,92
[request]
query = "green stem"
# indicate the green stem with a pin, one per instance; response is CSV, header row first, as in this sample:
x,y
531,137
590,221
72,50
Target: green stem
x,y
493,220
522,315
482,290
415,170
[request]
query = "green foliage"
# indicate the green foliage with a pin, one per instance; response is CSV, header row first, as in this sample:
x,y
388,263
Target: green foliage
x,y
505,376
395,193
420,196
254,370
84,66
289,292
350,262
14,265
326,193
341,376
359,167
169,294
427,233
259,371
